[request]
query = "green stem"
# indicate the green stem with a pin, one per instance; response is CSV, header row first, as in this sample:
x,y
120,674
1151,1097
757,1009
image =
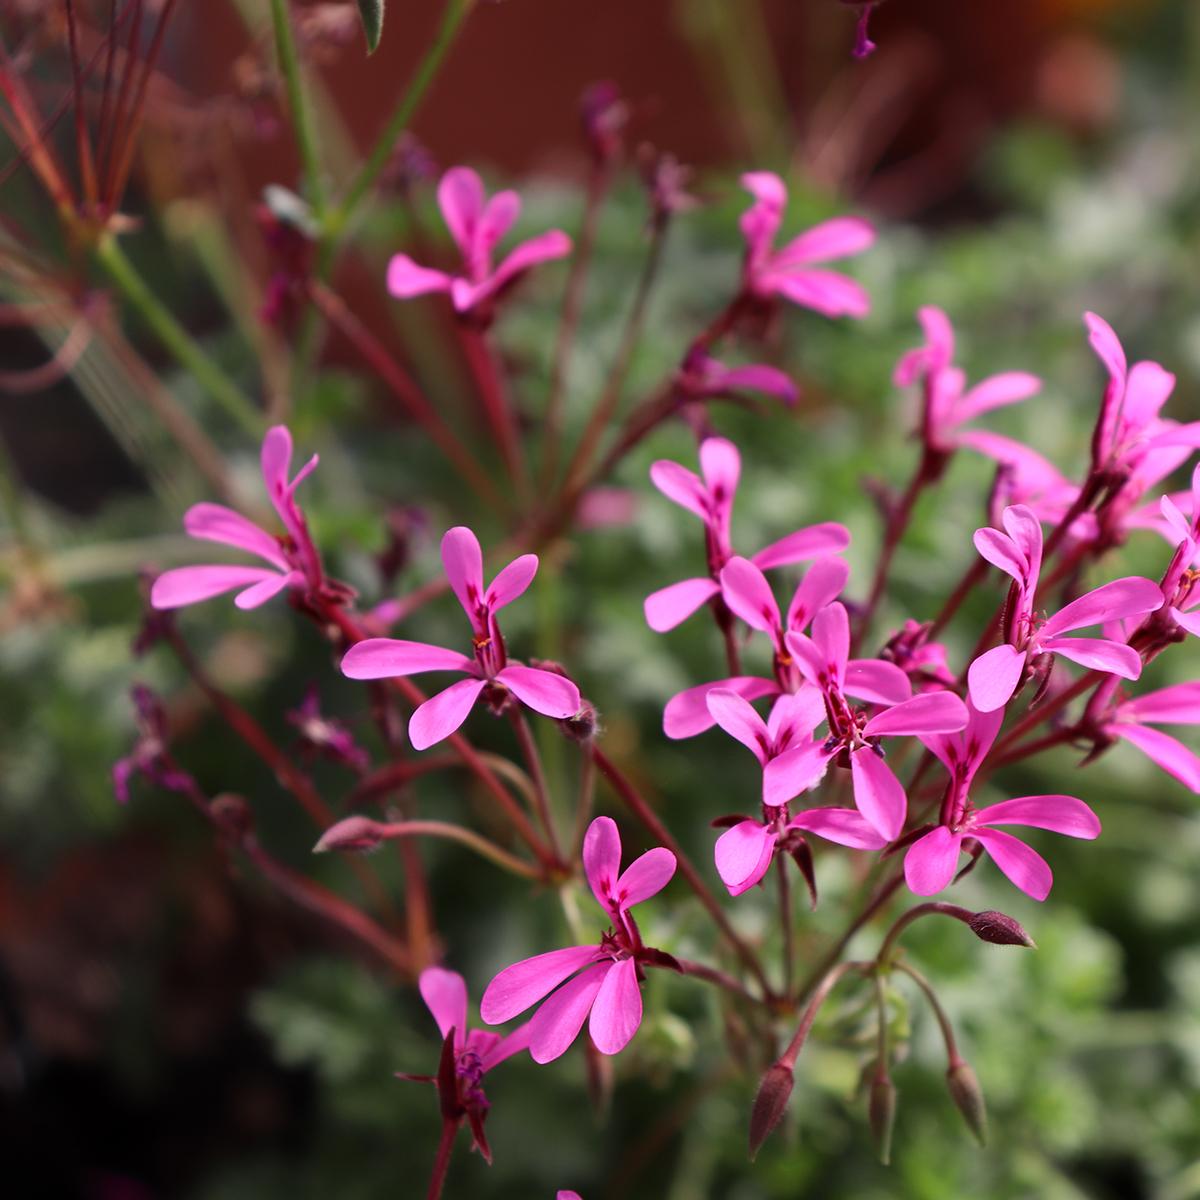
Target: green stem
x,y
306,138
176,339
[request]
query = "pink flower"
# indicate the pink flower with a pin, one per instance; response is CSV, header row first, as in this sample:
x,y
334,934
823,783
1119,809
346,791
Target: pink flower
x,y
702,377
947,405
381,658
788,272
477,225
924,662
792,763
994,676
711,499
932,860
1181,584
607,983
468,1054
325,735
854,735
293,558
1177,705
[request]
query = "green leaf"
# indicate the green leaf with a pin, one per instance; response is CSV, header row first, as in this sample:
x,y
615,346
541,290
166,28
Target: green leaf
x,y
371,12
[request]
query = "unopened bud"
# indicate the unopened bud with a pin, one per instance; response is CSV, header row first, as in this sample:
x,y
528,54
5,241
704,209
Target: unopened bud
x,y
356,835
1000,930
770,1103
881,1113
968,1098
582,726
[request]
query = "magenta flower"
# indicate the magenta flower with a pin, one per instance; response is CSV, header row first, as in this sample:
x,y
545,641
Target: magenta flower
x,y
607,983
382,658
711,498
994,676
467,1054
293,558
324,735
788,272
947,405
792,763
1177,705
702,377
1181,593
477,224
854,735
932,860
924,662
148,757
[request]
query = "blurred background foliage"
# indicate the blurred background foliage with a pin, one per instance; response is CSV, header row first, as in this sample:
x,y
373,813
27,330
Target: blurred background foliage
x,y
173,1028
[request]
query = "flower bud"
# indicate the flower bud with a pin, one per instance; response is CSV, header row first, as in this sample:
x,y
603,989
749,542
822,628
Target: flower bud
x,y
881,1113
358,835
968,1098
233,816
770,1103
582,726
1000,930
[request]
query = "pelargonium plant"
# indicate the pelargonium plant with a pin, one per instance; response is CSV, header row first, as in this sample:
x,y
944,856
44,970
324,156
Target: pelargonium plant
x,y
885,760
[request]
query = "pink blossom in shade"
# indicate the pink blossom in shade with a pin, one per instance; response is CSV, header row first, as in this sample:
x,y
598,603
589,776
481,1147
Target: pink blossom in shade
x,y
292,557
488,671
477,224
924,662
324,735
949,404
854,734
702,377
600,984
710,496
1131,720
932,861
472,1052
995,675
790,272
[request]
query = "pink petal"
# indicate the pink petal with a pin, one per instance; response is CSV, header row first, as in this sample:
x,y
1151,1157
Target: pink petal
x,y
814,541
831,636
543,691
721,468
1106,344
1023,865
794,716
756,377
276,460
1030,467
1001,551
546,246
877,681
792,772
760,222
993,677
1113,601
748,594
680,485
1010,387
1180,524
822,584
1098,655
935,355
557,1023
835,238
1059,814
463,562
445,995
931,712
524,983
1172,755
646,876
498,216
930,862
1188,621
216,523
511,582
441,715
190,585
826,292
461,198
602,858
808,658
738,719
388,658
743,855
1176,705
671,606
686,713
1147,389
1025,529
265,589
506,1047
406,279
844,826
970,747
617,1011
878,794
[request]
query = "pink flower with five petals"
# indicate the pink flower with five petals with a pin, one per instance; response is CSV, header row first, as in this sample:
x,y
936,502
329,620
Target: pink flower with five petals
x,y
931,861
545,692
477,224
600,984
1131,720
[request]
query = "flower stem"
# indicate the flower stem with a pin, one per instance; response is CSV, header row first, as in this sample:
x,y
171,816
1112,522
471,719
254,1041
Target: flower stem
x,y
306,138
467,837
938,907
720,978
441,1163
541,794
785,925
938,1011
175,338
